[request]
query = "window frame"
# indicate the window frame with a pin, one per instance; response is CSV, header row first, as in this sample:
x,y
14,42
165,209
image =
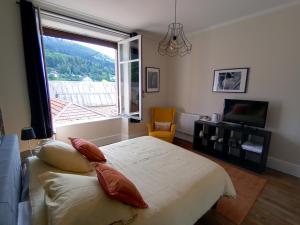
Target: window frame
x,y
78,37
120,62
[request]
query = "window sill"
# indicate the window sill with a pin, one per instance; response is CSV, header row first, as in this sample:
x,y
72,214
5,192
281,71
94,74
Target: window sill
x,y
87,121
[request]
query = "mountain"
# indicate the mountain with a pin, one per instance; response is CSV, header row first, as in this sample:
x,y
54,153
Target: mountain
x,y
67,60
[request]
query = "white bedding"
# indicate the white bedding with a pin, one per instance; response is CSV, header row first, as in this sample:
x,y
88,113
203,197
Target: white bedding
x,y
179,186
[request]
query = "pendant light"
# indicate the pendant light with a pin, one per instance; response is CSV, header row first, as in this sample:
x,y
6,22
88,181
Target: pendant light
x,y
175,42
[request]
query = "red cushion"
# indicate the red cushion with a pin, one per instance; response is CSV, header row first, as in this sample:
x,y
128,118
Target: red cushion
x,y
88,149
118,187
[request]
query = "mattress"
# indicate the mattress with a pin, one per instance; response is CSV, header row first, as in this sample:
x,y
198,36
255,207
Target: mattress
x,y
178,185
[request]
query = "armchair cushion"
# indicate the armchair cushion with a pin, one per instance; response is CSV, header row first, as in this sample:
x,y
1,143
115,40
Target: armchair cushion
x,y
162,126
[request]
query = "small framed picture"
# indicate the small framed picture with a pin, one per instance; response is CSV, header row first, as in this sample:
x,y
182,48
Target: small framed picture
x,y
231,80
152,79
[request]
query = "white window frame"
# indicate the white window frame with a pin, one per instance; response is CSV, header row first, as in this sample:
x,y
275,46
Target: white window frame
x,y
127,93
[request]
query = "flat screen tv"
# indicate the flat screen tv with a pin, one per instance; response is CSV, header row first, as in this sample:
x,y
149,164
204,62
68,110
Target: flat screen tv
x,y
245,112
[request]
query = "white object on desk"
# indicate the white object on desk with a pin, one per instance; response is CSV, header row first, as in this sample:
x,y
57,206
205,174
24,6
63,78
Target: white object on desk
x,y
215,118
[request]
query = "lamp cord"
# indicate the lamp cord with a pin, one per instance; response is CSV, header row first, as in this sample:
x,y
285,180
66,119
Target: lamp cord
x,y
29,144
175,10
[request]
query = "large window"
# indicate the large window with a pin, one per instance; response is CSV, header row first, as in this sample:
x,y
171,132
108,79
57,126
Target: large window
x,y
82,80
90,76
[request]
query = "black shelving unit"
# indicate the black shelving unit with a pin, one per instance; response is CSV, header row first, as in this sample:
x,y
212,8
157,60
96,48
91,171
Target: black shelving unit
x,y
225,141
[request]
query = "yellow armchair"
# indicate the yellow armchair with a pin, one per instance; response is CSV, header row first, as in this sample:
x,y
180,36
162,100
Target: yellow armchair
x,y
162,115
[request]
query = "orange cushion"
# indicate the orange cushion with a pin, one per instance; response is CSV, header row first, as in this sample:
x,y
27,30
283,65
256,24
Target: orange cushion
x,y
88,149
118,187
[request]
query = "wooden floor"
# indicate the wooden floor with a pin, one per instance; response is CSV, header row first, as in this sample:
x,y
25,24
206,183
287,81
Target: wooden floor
x,y
278,204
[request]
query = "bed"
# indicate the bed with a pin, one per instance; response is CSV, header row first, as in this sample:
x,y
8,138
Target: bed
x,y
178,185
10,179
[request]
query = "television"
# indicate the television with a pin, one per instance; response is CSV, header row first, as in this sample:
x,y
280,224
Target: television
x,y
245,112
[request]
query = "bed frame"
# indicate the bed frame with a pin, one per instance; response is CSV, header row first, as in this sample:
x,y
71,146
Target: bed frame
x,y
10,179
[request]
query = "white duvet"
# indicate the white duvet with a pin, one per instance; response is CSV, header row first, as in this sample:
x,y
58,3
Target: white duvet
x,y
178,185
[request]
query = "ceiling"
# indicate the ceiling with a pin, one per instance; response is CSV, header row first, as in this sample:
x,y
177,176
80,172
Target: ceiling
x,y
154,15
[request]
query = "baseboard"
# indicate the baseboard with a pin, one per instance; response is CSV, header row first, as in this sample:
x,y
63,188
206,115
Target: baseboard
x,y
284,166
184,136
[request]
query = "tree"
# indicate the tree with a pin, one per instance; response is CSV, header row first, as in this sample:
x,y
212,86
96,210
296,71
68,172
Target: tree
x,y
72,61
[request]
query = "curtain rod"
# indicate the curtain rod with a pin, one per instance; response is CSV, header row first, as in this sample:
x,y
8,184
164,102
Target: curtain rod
x,y
81,20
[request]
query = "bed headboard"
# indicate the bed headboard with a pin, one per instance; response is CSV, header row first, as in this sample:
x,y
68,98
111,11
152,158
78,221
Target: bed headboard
x,y
10,179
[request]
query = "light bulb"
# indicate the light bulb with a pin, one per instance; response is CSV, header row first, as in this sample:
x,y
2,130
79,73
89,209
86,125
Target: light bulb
x,y
173,43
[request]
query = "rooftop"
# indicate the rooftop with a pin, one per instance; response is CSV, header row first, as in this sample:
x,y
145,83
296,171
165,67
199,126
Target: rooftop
x,y
85,93
64,112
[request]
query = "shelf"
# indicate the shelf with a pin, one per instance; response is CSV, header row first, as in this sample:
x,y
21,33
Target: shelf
x,y
257,167
230,148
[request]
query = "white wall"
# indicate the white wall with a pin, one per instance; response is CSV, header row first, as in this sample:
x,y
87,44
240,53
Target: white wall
x,y
269,45
13,89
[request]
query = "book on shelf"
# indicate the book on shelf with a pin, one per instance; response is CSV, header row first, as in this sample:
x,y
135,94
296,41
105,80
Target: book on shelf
x,y
252,147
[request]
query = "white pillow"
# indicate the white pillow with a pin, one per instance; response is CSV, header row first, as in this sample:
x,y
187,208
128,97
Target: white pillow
x,y
162,126
64,157
74,199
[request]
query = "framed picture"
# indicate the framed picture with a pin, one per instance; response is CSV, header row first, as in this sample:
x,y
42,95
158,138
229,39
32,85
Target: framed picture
x,y
152,79
231,80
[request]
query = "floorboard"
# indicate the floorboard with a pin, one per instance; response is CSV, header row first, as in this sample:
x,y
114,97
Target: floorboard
x,y
278,204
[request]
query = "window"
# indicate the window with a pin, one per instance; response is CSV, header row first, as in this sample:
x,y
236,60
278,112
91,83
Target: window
x,y
130,77
91,78
82,80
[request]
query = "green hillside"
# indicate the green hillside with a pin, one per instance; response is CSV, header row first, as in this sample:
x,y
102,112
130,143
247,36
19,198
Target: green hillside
x,y
69,61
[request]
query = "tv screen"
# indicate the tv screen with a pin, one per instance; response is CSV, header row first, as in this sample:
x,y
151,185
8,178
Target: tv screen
x,y
251,113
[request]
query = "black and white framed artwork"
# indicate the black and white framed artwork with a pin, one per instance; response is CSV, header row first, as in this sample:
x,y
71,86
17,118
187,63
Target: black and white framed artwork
x,y
231,80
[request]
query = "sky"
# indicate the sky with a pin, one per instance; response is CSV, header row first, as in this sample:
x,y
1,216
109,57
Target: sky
x,y
104,50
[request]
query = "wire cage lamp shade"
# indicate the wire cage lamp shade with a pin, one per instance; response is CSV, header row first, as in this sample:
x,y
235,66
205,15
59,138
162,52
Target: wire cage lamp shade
x,y
174,42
